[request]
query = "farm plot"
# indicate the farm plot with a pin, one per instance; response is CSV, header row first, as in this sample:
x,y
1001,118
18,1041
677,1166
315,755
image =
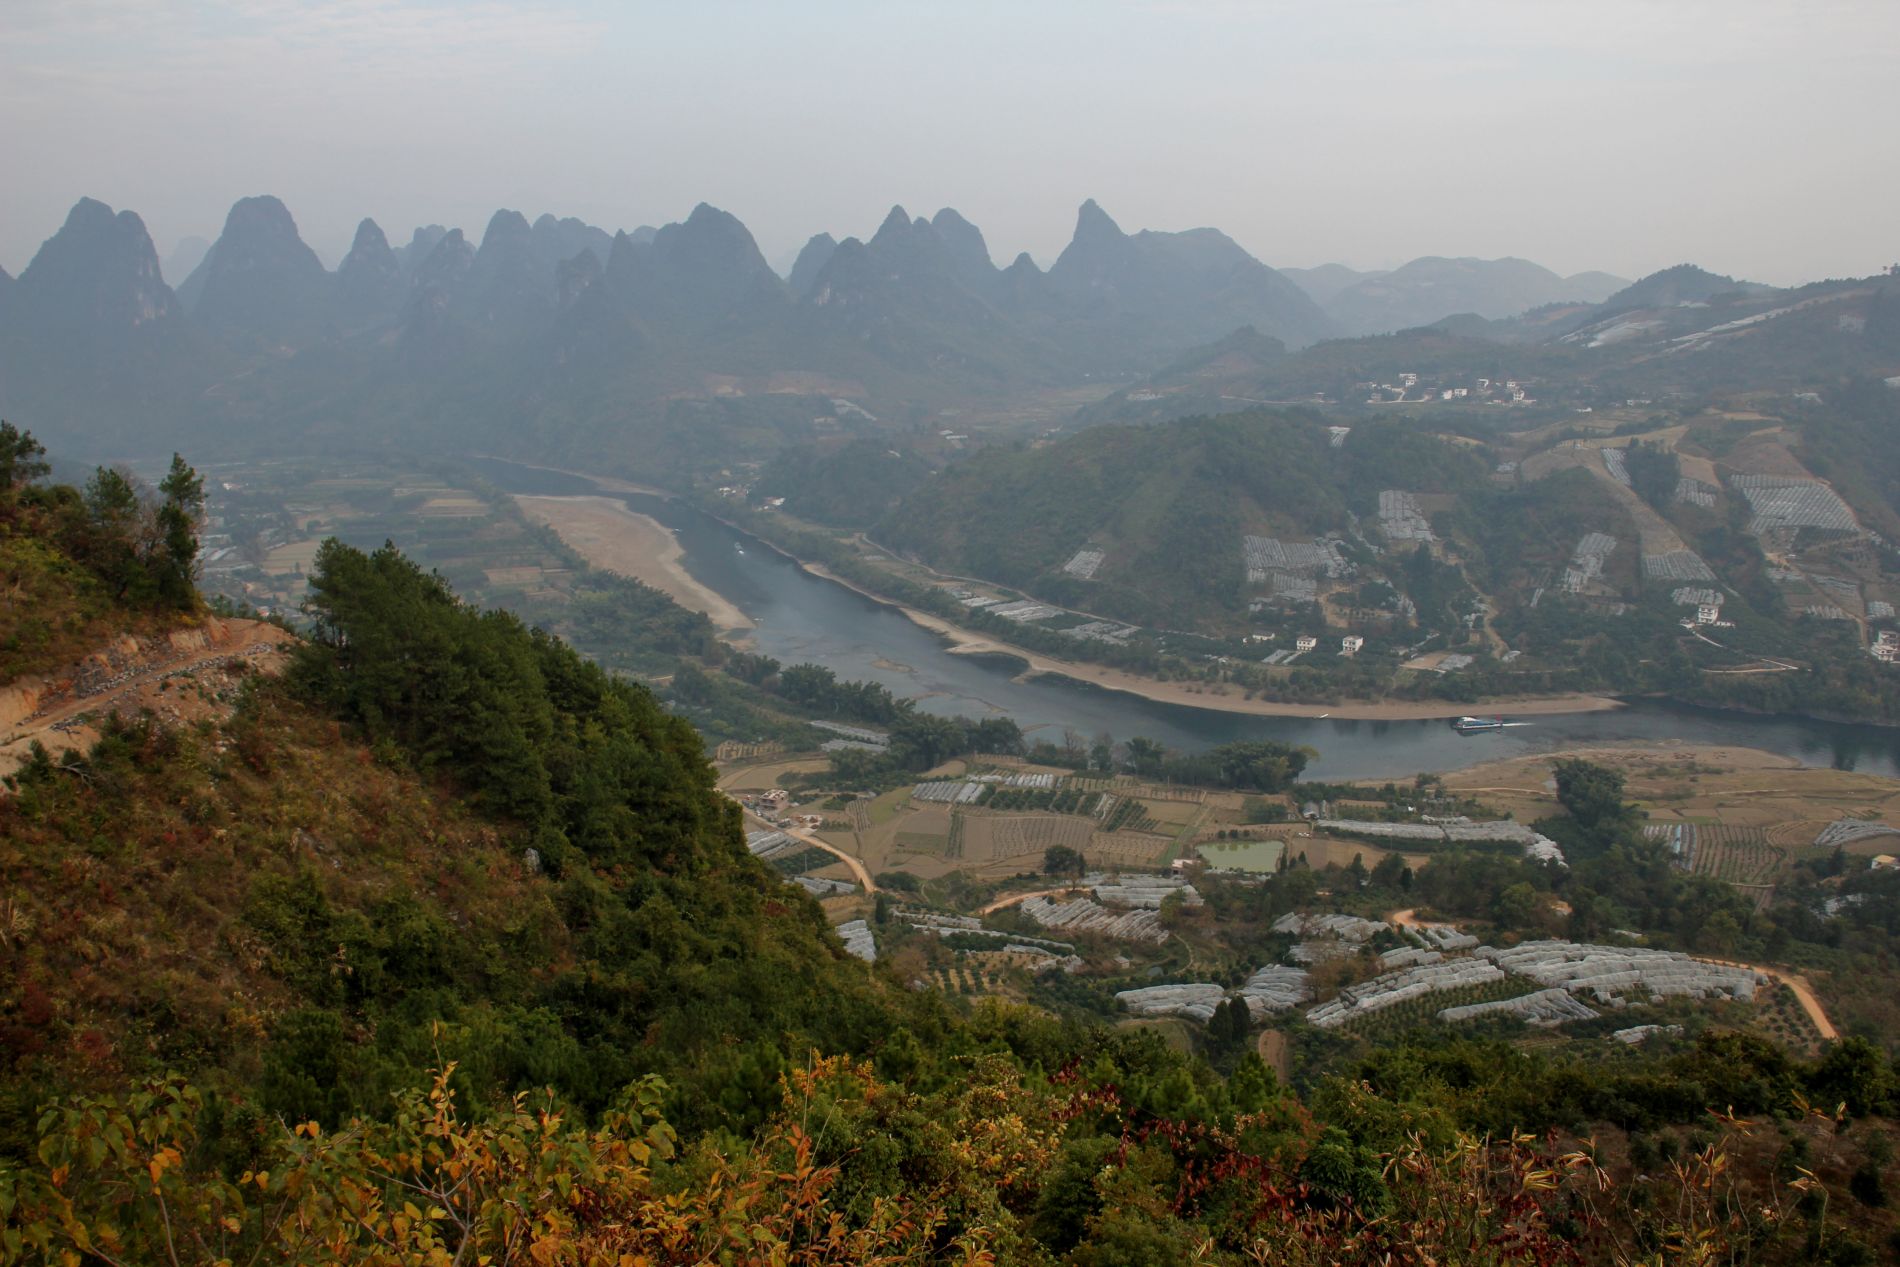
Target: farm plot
x,y
1745,857
927,831
1696,493
989,838
1737,855
1085,563
1781,502
1129,849
1676,565
1587,560
1400,517
1617,465
1847,831
1268,557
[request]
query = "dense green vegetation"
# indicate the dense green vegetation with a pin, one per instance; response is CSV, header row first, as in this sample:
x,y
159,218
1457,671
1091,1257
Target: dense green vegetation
x,y
77,563
1168,504
849,485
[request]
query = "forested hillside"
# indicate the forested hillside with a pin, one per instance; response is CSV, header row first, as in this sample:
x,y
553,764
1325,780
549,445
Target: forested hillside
x,y
445,945
1167,505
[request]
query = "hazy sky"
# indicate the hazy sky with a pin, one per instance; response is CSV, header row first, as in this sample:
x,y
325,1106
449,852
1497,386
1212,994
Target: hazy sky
x,y
1754,138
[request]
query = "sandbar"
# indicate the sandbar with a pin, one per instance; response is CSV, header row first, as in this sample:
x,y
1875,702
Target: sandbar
x,y
618,540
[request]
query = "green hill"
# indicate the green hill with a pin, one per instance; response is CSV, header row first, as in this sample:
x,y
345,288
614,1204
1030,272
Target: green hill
x,y
1168,506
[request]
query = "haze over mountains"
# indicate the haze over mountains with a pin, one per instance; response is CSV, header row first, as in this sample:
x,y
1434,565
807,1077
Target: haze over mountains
x,y
558,330
1432,288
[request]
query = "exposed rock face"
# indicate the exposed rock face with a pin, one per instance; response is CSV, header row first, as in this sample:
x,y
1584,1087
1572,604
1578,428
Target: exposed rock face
x,y
97,278
369,280
260,281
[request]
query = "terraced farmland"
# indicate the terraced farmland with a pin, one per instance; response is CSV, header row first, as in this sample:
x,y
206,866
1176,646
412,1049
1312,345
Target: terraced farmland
x,y
1737,855
1744,856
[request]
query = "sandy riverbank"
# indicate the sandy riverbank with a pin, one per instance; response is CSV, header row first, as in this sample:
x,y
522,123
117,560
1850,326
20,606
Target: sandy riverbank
x,y
611,537
1223,697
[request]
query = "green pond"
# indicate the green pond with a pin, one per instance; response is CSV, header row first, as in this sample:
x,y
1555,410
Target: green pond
x,y
1244,855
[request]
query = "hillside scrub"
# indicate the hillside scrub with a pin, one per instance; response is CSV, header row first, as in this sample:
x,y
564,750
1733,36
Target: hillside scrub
x,y
80,565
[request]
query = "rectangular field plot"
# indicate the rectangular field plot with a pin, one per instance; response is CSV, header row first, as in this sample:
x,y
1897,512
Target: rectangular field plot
x,y
1085,564
1127,848
1676,565
1734,855
990,838
927,831
1781,502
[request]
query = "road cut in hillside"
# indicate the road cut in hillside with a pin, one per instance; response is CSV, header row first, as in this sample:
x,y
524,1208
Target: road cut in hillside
x,y
60,710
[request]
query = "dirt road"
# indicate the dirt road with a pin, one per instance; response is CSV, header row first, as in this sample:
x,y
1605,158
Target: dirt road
x,y
1277,1054
858,871
61,729
1014,898
1798,984
1408,918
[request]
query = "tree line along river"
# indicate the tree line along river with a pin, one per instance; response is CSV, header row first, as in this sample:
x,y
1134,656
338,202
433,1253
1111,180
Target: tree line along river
x,y
802,618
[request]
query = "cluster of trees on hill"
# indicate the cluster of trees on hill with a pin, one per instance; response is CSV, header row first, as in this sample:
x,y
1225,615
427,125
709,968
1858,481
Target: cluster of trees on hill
x,y
1170,502
69,555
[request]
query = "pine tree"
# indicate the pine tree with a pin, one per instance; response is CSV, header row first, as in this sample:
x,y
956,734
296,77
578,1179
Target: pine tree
x,y
183,490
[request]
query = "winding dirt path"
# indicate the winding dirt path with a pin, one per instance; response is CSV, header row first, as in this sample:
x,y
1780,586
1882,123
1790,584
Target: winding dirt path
x,y
60,730
1798,984
858,870
1014,898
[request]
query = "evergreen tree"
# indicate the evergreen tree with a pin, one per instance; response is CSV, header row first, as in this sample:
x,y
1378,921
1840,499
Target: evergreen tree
x,y
183,490
22,458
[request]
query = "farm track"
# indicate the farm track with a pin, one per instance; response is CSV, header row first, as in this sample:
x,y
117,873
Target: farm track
x,y
1014,898
1803,993
858,870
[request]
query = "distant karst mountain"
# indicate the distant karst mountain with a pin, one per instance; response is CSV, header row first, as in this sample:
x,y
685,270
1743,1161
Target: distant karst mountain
x,y
682,346
1327,280
97,279
1432,288
259,281
1171,290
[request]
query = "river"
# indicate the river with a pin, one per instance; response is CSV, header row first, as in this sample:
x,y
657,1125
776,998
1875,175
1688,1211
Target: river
x,y
801,618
